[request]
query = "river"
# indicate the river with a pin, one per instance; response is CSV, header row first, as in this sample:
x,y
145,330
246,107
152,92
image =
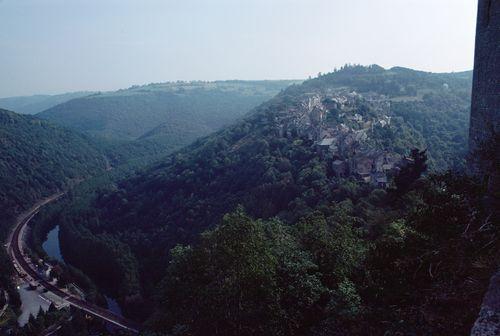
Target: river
x,y
52,248
51,245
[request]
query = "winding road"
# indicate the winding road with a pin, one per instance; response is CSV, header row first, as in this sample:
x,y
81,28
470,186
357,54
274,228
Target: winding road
x,y
15,248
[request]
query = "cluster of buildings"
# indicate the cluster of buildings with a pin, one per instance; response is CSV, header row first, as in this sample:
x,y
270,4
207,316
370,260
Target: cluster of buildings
x,y
341,125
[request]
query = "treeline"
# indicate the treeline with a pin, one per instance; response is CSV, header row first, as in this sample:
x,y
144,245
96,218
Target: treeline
x,y
247,164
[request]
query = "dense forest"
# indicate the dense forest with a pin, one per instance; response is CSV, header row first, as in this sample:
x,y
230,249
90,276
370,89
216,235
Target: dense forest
x,y
377,263
327,252
131,113
143,123
38,159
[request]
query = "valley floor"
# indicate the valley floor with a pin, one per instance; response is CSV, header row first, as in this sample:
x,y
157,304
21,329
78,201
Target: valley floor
x,y
36,289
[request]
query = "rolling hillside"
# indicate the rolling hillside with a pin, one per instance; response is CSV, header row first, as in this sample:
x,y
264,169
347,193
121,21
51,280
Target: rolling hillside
x,y
311,204
37,103
196,108
273,151
39,158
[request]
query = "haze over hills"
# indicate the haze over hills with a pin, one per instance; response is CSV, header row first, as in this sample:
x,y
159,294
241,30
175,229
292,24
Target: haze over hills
x,y
331,145
360,201
128,114
37,103
421,107
304,216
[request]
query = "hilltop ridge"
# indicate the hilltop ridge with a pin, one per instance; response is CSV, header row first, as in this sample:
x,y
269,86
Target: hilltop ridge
x,y
127,114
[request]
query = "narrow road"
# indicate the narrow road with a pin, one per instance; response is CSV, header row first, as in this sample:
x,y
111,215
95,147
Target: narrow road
x,y
15,248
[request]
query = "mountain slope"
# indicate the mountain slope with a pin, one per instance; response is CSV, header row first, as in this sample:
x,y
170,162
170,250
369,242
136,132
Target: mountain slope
x,y
335,253
273,152
129,114
298,152
39,158
37,103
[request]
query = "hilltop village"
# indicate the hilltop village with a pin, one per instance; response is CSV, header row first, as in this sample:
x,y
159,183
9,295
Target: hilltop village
x,y
342,125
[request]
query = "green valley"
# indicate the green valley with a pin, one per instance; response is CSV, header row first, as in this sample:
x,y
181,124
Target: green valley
x,y
249,168
269,190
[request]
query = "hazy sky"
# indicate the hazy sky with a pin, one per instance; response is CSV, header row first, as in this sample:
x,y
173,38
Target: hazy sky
x,y
51,46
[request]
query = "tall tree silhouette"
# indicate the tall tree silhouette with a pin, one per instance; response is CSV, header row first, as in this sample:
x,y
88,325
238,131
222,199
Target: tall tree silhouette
x,y
415,167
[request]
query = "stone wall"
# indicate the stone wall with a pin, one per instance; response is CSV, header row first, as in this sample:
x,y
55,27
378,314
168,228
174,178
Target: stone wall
x,y
484,128
484,121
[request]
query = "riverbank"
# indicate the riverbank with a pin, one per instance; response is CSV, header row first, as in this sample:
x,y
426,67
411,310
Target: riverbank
x,y
29,271
51,246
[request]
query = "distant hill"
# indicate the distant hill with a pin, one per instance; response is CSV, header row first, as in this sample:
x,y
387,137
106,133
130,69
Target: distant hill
x,y
39,158
195,108
38,103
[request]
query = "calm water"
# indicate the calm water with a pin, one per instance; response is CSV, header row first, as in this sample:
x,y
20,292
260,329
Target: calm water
x,y
51,245
53,250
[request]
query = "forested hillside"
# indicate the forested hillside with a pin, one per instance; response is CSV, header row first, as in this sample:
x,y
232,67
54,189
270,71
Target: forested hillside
x,y
372,264
39,158
37,103
282,161
191,107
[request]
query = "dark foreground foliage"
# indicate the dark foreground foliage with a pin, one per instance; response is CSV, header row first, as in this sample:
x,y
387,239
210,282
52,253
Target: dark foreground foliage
x,y
417,266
